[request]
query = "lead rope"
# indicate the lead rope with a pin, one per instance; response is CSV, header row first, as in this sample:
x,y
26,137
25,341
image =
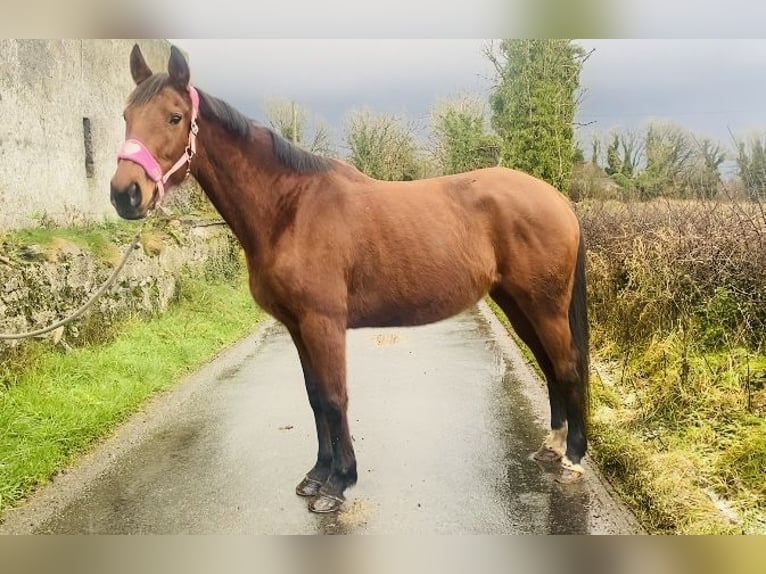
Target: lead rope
x,y
89,302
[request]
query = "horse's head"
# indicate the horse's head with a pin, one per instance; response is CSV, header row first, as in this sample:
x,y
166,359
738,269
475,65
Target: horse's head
x,y
160,125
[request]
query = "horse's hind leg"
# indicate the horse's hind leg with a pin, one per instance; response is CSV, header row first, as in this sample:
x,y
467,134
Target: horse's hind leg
x,y
554,445
318,474
556,337
325,343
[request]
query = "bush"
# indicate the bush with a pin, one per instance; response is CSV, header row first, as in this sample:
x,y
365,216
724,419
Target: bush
x,y
662,265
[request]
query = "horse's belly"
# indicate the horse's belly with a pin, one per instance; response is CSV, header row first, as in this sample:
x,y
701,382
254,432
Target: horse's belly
x,y
398,315
418,301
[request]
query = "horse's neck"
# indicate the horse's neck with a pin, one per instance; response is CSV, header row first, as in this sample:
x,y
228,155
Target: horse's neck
x,y
239,178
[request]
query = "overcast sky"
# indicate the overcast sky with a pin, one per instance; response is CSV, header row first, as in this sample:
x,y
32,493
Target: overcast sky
x,y
709,86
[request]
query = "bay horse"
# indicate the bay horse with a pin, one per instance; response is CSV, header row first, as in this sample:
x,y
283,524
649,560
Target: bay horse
x,y
329,249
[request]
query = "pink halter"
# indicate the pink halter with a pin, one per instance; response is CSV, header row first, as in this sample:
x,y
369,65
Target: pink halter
x,y
133,150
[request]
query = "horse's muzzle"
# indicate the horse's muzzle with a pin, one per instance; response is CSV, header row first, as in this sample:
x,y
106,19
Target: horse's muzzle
x,y
127,201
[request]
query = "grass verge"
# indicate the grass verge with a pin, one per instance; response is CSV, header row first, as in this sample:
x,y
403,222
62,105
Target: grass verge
x,y
700,473
673,433
59,404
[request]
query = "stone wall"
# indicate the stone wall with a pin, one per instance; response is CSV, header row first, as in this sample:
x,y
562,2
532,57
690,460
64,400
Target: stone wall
x,y
61,105
47,283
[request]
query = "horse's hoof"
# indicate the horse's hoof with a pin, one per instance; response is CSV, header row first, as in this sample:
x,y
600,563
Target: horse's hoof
x,y
546,454
325,504
570,472
308,487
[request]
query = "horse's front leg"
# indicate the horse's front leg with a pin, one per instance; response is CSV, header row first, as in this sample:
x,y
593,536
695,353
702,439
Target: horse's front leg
x,y
324,339
319,473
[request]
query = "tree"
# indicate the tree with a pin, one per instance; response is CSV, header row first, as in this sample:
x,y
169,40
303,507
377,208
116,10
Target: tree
x,y
578,156
664,160
595,149
624,152
381,145
534,104
669,156
632,148
459,140
751,165
705,175
613,160
296,124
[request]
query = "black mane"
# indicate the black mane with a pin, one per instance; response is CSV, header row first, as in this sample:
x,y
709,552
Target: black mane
x,y
232,120
297,158
237,124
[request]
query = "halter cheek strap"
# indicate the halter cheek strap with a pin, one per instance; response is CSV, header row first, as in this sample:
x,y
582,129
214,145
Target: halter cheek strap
x,y
135,151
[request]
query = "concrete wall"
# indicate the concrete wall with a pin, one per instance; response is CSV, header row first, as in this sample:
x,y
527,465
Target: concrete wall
x,y
47,87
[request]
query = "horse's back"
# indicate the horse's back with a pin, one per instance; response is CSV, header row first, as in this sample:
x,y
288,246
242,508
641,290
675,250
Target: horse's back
x,y
512,209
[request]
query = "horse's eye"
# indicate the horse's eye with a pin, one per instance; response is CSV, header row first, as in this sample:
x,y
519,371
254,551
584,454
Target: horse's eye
x,y
174,119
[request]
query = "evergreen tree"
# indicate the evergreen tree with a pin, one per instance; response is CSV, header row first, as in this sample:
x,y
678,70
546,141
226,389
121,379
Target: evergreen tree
x,y
595,149
534,103
613,160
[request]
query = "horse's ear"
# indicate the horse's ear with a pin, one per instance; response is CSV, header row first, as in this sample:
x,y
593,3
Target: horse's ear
x,y
178,69
138,68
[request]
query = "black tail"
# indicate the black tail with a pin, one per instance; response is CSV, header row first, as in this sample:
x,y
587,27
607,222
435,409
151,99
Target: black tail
x,y
578,325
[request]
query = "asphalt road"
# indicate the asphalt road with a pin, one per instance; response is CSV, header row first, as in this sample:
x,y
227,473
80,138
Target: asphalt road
x,y
444,419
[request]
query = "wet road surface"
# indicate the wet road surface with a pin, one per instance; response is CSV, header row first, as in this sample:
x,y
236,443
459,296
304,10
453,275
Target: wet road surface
x,y
444,418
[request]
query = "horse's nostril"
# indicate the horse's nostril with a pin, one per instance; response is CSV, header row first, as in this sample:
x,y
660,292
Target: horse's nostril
x,y
134,193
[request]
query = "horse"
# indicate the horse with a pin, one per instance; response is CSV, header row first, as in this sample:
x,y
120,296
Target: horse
x,y
329,249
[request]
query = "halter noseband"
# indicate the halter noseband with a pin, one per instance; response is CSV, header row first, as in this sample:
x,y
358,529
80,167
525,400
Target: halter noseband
x,y
133,150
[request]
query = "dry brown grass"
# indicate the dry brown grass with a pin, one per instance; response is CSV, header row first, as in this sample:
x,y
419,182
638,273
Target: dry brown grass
x,y
666,264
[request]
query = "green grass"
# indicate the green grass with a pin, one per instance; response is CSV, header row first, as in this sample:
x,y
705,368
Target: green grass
x,y
59,404
99,238
656,476
683,401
